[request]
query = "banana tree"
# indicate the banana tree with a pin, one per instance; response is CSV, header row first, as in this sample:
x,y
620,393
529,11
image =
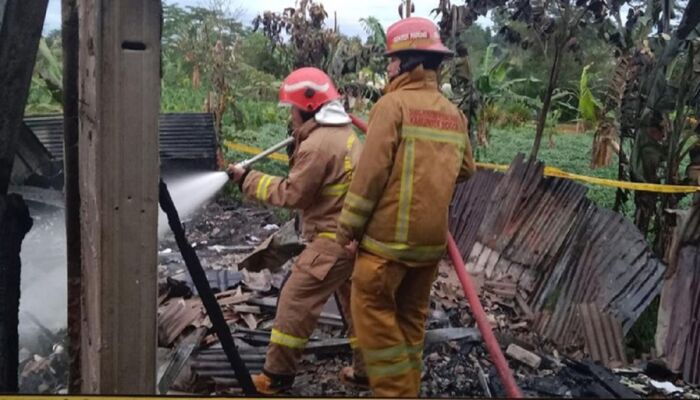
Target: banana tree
x,y
359,68
496,88
660,95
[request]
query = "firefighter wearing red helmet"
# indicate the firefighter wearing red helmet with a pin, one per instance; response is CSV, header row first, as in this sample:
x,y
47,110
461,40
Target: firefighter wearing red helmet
x,y
326,151
417,148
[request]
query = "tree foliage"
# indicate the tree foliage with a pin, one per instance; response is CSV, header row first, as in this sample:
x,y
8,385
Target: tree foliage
x,y
300,34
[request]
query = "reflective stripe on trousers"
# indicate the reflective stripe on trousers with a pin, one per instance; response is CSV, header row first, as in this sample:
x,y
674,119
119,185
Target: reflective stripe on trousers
x,y
392,361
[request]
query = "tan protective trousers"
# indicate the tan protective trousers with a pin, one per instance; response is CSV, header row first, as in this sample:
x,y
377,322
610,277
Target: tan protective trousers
x,y
317,274
390,303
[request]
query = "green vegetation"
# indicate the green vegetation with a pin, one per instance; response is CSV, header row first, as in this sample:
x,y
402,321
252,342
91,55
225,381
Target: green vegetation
x,y
572,154
215,62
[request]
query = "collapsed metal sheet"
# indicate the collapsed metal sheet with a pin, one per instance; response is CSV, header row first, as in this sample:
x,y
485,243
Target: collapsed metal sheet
x,y
560,248
603,336
678,330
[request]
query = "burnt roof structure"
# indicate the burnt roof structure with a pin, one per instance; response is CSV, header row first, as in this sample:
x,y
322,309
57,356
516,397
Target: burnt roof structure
x,y
561,250
187,140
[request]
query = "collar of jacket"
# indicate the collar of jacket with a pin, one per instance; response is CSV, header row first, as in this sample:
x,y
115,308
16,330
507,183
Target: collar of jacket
x,y
419,78
300,134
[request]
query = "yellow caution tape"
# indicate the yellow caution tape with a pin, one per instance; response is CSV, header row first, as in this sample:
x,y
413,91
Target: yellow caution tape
x,y
646,187
548,171
254,150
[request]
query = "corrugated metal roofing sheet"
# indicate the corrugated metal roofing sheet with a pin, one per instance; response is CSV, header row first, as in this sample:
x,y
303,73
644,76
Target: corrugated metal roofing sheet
x,y
603,336
560,248
183,136
678,333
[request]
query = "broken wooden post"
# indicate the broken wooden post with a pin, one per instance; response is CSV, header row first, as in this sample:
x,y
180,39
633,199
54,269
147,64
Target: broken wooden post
x,y
119,101
20,30
15,222
21,23
71,187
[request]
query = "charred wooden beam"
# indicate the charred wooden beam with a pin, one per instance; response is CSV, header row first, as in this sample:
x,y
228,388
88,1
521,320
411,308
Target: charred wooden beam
x,y
71,168
21,23
15,222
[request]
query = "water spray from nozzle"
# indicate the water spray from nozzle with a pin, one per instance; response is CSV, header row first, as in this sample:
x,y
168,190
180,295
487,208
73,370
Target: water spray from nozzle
x,y
190,193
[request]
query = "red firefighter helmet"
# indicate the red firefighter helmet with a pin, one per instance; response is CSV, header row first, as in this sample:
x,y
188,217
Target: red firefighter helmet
x,y
414,34
308,89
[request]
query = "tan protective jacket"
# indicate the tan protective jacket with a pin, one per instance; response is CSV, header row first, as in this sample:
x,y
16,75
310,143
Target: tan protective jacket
x,y
417,147
320,172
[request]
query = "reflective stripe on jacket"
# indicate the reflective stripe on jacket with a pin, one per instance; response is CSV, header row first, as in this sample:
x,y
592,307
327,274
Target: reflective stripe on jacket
x,y
318,179
417,147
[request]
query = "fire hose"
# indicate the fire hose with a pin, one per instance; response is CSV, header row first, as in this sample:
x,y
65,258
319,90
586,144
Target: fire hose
x,y
199,278
490,341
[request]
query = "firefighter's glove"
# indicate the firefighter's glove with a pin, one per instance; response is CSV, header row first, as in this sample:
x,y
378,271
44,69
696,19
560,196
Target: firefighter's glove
x,y
237,173
351,248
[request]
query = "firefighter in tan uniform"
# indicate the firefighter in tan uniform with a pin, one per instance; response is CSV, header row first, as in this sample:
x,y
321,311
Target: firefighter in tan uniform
x,y
326,150
397,207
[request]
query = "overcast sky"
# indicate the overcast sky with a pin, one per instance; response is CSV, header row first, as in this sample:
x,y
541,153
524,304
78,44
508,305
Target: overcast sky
x,y
349,11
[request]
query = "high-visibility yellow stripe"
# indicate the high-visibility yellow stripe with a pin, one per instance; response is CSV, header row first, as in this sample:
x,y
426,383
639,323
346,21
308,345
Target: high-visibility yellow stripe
x,y
415,356
415,350
258,188
403,251
395,369
435,135
417,365
335,190
406,191
387,353
327,235
347,162
262,190
266,188
354,344
548,171
349,218
359,203
286,340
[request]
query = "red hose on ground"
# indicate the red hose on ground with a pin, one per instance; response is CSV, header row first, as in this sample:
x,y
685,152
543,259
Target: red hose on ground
x,y
482,322
472,296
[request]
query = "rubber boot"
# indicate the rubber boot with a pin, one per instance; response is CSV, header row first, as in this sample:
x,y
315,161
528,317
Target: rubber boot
x,y
265,384
348,377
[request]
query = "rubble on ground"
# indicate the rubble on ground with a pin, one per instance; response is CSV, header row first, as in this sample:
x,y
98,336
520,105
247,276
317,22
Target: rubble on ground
x,y
455,361
43,368
228,235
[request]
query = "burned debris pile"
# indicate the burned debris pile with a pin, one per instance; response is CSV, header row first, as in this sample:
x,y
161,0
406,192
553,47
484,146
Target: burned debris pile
x,y
562,282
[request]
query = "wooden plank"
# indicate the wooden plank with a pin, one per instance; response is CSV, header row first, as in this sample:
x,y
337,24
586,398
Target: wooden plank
x,y
71,167
119,73
21,22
